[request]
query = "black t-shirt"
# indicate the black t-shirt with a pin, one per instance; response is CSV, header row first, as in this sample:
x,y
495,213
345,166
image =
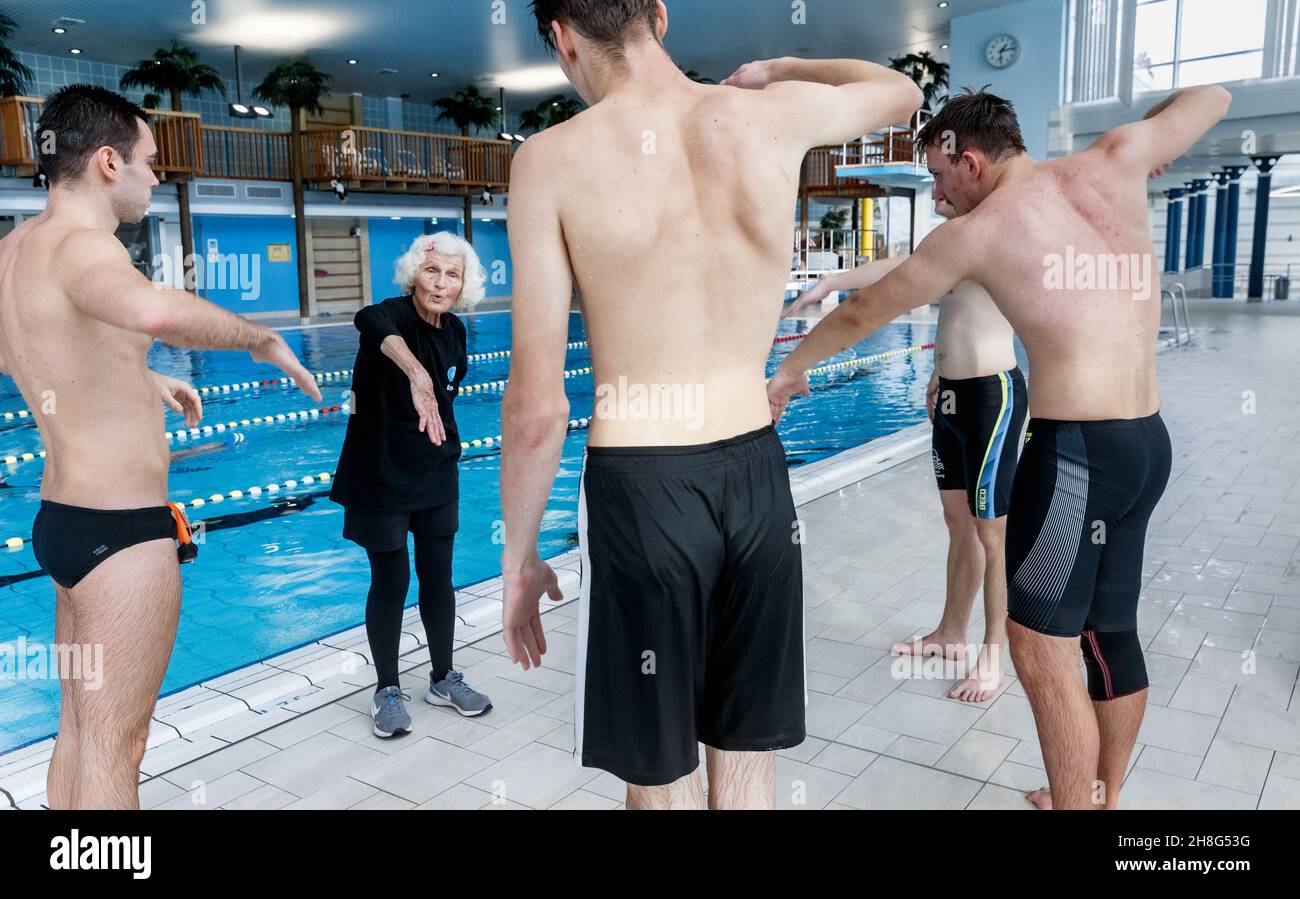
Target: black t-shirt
x,y
387,464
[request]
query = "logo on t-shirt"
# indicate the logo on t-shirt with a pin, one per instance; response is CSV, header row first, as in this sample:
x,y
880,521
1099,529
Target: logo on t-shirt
x,y
451,378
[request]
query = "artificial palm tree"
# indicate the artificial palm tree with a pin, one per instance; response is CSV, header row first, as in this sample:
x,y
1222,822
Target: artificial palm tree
x,y
930,75
13,74
177,72
550,112
299,85
467,108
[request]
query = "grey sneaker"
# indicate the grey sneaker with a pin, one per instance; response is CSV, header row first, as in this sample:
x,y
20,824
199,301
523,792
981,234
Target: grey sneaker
x,y
453,691
390,715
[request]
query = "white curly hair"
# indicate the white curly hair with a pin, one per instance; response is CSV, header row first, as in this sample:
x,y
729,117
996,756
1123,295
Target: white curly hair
x,y
473,288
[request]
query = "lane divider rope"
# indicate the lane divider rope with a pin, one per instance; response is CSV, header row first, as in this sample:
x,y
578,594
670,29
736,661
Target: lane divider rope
x,y
302,415
321,377
575,424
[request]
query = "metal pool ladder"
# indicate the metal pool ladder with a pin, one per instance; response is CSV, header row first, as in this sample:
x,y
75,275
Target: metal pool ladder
x,y
1174,292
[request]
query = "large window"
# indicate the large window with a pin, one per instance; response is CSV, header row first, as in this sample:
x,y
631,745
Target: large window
x,y
1179,43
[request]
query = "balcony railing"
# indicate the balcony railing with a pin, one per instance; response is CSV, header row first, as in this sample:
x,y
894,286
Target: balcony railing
x,y
405,159
376,158
245,153
176,134
18,117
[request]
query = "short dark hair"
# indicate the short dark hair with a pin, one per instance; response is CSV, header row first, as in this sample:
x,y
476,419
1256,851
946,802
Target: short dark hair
x,y
977,120
607,22
81,118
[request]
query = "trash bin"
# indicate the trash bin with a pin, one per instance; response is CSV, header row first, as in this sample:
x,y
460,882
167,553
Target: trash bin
x,y
1282,288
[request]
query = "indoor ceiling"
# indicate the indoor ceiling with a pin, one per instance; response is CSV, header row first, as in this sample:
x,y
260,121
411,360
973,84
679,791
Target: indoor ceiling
x,y
399,43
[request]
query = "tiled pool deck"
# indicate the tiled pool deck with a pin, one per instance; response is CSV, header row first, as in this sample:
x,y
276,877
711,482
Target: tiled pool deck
x,y
1220,618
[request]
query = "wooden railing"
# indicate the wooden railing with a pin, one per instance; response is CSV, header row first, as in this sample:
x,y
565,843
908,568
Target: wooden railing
x,y
176,134
18,117
245,153
180,148
377,157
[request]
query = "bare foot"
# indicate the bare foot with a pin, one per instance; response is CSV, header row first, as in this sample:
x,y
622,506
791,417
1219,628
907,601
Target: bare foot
x,y
1041,799
984,679
933,644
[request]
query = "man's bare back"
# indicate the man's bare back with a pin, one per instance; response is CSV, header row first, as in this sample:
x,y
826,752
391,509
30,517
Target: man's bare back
x,y
1091,349
676,217
86,381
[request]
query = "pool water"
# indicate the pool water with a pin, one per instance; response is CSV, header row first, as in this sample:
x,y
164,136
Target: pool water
x,y
272,575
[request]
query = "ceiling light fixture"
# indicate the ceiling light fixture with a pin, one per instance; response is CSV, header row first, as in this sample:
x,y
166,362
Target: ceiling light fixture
x,y
239,109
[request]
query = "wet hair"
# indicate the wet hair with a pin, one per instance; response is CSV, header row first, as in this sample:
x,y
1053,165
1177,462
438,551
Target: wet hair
x,y
977,120
609,23
81,118
473,282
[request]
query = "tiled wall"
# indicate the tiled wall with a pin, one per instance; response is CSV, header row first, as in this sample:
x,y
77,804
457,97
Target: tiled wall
x,y
374,112
54,72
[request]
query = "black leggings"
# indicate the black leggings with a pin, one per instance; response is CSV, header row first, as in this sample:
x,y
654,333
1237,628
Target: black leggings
x,y
390,579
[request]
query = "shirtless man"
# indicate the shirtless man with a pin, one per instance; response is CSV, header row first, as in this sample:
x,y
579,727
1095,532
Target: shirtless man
x,y
1097,457
76,323
668,203
976,400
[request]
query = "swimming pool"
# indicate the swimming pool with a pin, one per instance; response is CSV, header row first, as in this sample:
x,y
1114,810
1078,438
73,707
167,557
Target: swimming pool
x,y
273,575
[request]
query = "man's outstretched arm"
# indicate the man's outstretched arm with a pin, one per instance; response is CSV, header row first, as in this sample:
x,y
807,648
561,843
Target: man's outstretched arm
x,y
829,101
1168,130
103,284
535,410
850,279
936,267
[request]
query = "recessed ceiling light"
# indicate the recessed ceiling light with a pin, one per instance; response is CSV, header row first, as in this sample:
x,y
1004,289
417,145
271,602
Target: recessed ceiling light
x,y
74,51
943,46
433,74
60,30
352,62
944,4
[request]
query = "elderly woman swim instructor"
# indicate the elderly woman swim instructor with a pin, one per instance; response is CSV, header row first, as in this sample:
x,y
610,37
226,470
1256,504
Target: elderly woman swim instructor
x,y
398,470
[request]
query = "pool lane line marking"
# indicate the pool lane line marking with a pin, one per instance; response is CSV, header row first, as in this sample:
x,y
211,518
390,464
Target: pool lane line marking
x,y
182,435
866,360
575,424
325,376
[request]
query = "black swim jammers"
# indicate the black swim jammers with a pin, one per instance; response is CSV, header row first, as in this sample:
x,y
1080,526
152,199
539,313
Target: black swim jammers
x,y
691,617
1083,495
976,440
